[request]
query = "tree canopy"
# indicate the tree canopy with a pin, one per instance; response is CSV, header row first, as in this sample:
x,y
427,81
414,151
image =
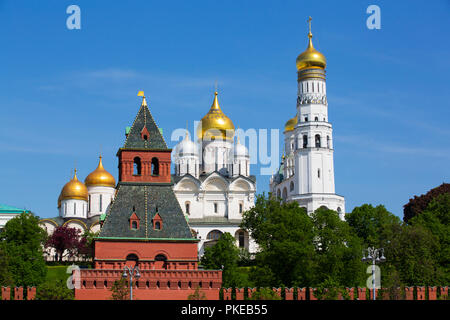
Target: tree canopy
x,y
21,241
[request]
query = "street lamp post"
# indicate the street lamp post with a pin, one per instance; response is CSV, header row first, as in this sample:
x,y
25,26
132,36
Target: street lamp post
x,y
130,273
373,255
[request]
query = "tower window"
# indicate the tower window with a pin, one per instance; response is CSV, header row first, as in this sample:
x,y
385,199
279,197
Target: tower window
x,y
316,119
317,140
240,207
318,173
241,237
328,141
101,203
134,225
157,225
155,166
137,167
215,207
75,208
89,203
305,141
291,187
306,119
187,208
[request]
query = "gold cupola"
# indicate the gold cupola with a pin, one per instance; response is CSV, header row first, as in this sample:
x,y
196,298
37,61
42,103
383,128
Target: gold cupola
x,y
100,177
290,124
311,58
215,124
74,189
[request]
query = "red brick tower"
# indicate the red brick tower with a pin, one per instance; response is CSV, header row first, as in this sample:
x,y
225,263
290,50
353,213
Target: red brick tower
x,y
146,226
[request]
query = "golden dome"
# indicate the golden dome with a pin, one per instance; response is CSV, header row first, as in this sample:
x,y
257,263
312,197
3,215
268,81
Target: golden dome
x,y
74,189
215,124
311,58
100,177
290,124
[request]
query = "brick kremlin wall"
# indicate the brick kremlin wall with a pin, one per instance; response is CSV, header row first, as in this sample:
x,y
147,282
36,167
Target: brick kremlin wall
x,y
18,293
408,293
150,291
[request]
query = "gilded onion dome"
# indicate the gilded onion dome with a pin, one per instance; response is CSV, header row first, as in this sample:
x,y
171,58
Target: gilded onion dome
x,y
215,124
74,189
311,58
290,124
100,177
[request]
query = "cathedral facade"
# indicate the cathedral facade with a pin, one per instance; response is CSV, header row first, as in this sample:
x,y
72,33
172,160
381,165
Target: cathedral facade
x,y
82,205
306,173
212,180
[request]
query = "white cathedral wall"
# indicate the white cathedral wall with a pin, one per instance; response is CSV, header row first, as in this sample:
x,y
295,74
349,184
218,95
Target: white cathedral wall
x,y
106,193
204,230
216,155
73,208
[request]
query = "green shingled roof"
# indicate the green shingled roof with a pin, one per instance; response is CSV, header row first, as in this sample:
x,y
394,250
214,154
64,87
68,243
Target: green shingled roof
x,y
134,140
145,199
10,209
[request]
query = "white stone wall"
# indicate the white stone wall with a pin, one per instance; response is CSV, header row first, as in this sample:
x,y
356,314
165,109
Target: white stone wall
x,y
99,198
73,208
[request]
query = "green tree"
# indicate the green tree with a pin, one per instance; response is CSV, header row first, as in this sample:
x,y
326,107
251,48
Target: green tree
x,y
22,241
374,225
197,295
264,294
436,219
338,250
284,233
54,291
120,290
411,253
5,275
224,255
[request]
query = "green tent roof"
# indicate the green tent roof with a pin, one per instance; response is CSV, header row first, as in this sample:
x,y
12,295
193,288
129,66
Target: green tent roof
x,y
10,209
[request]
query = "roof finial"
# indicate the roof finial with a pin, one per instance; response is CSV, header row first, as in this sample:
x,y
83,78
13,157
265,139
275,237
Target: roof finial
x,y
141,94
187,131
310,34
216,87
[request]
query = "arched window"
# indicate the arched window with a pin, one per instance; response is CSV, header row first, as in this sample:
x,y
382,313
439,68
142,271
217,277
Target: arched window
x,y
317,140
279,193
134,225
132,257
291,187
328,142
241,238
214,235
101,203
157,225
160,257
155,166
316,119
318,173
137,166
187,204
305,141
241,206
284,194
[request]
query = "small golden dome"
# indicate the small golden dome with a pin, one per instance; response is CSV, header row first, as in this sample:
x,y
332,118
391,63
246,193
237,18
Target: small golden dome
x,y
290,124
100,177
215,124
74,189
311,58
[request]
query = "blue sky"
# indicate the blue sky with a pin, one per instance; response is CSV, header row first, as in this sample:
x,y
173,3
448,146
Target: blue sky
x,y
67,94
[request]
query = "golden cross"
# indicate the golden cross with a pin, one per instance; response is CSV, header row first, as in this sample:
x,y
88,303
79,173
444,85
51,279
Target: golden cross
x,y
309,22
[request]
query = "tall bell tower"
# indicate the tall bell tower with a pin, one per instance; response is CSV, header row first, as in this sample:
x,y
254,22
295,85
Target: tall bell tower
x,y
308,170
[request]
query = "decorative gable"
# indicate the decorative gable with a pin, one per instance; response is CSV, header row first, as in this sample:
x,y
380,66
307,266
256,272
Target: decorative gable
x,y
134,221
157,222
